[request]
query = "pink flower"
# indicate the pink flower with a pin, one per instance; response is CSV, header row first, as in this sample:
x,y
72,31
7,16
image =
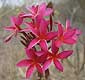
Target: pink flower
x,y
14,28
32,63
38,11
66,35
55,57
42,35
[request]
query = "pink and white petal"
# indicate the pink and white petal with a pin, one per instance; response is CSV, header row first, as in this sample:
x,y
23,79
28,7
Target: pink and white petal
x,y
39,68
51,35
58,65
30,71
47,64
68,24
10,28
8,38
39,53
48,12
69,41
33,43
24,63
43,45
27,15
65,54
58,43
53,47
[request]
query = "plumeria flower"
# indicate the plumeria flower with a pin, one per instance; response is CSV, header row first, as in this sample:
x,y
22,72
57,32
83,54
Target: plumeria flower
x,y
38,11
42,35
67,35
14,28
55,57
32,62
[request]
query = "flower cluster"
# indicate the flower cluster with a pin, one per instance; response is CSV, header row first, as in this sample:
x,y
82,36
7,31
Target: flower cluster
x,y
39,31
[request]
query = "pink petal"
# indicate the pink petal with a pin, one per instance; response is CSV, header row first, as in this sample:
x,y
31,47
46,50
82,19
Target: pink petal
x,y
30,53
13,20
54,48
43,26
65,54
24,63
47,64
27,15
43,58
9,38
42,9
43,45
78,32
30,71
19,20
10,28
31,9
51,35
58,65
39,68
16,20
58,43
32,29
60,29
48,12
39,53
69,33
33,43
68,24
69,41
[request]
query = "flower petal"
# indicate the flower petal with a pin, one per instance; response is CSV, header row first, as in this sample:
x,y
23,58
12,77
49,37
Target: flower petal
x,y
42,58
47,64
39,53
58,43
43,26
41,10
32,29
33,43
51,35
9,28
13,20
65,54
54,48
60,29
68,24
30,71
58,65
27,15
24,63
30,53
39,68
48,12
43,45
69,33
69,41
9,38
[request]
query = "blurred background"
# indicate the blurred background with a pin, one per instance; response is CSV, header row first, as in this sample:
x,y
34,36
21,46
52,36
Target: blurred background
x,y
11,52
